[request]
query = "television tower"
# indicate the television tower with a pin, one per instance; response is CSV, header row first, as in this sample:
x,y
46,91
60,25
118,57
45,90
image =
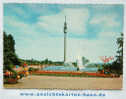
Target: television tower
x,y
65,37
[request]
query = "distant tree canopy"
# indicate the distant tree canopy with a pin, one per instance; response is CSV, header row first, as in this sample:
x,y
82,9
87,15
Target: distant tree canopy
x,y
41,62
84,60
10,57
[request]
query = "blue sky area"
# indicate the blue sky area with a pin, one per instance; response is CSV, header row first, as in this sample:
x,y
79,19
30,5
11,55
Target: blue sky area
x,y
38,30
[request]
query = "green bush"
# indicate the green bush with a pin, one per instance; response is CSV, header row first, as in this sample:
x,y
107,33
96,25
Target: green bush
x,y
21,75
32,69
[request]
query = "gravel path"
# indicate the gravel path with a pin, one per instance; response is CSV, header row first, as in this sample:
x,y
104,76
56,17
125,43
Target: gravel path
x,y
50,82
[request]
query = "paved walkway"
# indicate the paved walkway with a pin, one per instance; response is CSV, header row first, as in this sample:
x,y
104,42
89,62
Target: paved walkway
x,y
48,82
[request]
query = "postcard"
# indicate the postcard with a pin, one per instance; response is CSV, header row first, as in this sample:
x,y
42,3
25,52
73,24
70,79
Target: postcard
x,y
63,49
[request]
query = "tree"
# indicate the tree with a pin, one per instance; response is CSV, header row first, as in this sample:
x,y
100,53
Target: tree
x,y
119,56
10,57
84,60
117,65
46,61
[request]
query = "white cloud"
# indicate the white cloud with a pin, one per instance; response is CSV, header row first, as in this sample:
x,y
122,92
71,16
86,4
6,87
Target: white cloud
x,y
52,48
108,35
76,20
22,27
13,22
91,49
106,20
17,10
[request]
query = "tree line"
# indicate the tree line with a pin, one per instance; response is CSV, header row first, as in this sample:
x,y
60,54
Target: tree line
x,y
41,62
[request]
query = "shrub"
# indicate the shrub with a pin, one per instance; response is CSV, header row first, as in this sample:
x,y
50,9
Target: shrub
x,y
32,69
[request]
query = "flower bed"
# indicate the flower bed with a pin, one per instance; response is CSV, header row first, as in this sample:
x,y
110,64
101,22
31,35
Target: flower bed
x,y
10,80
68,73
14,75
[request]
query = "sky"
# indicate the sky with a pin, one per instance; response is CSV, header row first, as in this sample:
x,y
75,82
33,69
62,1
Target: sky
x,y
38,30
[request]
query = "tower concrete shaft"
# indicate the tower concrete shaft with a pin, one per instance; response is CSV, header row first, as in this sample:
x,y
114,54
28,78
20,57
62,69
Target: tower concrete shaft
x,y
65,38
65,35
